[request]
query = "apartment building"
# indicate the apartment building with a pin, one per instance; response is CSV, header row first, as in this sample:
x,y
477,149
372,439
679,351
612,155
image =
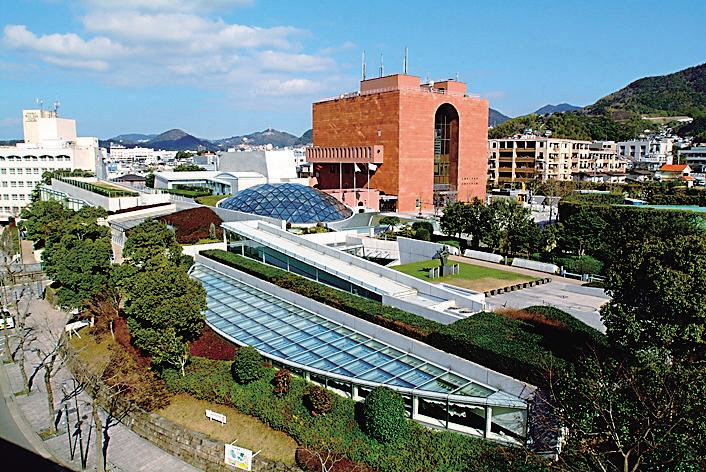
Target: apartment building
x,y
695,157
602,164
526,158
50,143
649,153
137,155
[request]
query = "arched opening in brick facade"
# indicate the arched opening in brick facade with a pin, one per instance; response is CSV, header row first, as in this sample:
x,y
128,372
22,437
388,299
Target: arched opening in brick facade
x,y
446,138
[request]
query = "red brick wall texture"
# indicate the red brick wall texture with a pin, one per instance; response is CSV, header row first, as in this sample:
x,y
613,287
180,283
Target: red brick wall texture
x,y
403,122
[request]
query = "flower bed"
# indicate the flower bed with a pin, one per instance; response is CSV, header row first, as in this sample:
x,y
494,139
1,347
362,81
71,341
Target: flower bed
x,y
194,224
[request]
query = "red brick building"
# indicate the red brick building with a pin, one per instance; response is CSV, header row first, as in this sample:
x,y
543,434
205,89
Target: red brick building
x,y
417,144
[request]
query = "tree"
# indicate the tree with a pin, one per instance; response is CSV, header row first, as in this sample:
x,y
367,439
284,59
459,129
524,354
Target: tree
x,y
78,256
187,168
247,365
453,220
150,239
149,180
164,305
384,415
658,288
511,228
625,415
38,217
49,353
583,231
390,221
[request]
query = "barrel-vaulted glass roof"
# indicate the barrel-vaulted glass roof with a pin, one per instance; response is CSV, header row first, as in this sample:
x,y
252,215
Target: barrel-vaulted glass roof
x,y
295,335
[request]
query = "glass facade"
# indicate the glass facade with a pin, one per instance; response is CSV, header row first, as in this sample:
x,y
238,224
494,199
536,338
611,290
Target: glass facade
x,y
350,362
294,203
254,250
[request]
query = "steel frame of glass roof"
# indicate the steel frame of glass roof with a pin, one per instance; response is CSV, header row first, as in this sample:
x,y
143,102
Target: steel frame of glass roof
x,y
297,337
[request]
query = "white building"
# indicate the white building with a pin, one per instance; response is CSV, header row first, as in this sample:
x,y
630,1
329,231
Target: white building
x,y
649,153
137,155
50,143
695,157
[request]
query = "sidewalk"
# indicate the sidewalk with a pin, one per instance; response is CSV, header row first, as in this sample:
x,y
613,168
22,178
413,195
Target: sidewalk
x,y
126,451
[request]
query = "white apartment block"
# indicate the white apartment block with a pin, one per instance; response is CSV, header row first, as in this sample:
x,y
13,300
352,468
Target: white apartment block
x,y
649,153
695,157
137,155
526,158
50,143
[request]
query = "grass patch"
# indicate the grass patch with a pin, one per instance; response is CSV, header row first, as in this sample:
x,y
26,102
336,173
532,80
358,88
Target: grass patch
x,y
95,355
210,200
250,432
469,276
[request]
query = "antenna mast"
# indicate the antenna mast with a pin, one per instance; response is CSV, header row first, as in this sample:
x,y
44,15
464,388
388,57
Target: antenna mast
x,y
363,64
405,62
382,66
56,106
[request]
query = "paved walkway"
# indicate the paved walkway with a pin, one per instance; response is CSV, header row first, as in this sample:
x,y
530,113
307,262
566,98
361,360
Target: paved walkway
x,y
563,293
126,451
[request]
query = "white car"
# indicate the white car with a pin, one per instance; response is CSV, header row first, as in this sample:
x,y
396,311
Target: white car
x,y
6,321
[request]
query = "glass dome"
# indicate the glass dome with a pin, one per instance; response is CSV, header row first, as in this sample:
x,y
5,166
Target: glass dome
x,y
295,203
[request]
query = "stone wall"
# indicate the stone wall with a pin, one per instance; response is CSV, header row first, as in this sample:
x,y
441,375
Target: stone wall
x,y
190,446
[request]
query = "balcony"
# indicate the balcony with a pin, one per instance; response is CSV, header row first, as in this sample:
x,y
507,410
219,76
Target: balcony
x,y
346,154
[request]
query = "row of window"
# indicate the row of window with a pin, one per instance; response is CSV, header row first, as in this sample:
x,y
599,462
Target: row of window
x,y
13,210
61,158
27,171
20,183
15,197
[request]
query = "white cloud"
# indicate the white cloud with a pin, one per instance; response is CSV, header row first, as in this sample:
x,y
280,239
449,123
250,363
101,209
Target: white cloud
x,y
282,61
70,44
171,42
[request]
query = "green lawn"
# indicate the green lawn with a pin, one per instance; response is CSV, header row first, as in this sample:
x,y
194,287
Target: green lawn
x,y
470,276
211,200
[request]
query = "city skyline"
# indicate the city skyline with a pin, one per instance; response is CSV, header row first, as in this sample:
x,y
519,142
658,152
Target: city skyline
x,y
221,68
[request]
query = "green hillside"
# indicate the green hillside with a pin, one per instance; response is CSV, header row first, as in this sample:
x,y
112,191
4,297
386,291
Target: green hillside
x,y
680,93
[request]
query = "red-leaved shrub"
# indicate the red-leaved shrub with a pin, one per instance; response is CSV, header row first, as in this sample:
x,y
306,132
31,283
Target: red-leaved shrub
x,y
193,224
124,338
212,346
313,460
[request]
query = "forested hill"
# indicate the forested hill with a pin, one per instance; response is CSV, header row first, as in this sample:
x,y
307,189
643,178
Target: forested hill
x,y
572,125
680,93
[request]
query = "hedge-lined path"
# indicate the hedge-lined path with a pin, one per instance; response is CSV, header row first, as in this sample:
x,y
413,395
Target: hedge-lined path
x,y
517,270
126,451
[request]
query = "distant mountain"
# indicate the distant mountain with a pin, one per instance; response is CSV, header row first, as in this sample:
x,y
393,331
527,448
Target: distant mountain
x,y
178,140
680,93
132,138
259,138
304,139
495,117
560,108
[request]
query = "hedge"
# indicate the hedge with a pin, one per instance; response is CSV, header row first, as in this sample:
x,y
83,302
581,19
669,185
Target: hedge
x,y
579,264
421,450
514,347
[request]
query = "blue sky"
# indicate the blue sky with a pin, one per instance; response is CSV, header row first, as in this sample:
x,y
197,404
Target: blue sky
x,y
218,68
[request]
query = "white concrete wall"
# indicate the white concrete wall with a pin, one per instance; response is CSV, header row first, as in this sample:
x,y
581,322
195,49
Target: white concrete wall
x,y
414,250
483,256
194,249
535,265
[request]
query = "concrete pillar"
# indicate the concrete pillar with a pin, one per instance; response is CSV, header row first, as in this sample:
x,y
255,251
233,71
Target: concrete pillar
x,y
415,406
488,421
354,391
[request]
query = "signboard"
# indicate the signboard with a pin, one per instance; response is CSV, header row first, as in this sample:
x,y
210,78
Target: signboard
x,y
212,415
238,457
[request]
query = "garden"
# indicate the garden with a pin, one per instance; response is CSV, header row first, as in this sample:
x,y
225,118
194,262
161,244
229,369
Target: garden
x,y
470,276
195,226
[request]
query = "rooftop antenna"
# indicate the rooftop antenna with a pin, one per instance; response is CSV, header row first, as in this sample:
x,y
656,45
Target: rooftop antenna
x,y
56,106
405,61
363,63
40,103
382,66
456,76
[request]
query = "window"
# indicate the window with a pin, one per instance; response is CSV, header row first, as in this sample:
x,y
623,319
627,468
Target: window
x,y
12,171
3,171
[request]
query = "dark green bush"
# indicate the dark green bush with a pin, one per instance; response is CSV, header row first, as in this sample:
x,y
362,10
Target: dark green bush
x,y
422,234
282,382
319,400
579,264
248,365
417,225
384,415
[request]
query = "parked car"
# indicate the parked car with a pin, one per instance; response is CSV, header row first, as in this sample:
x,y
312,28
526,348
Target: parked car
x,y
6,320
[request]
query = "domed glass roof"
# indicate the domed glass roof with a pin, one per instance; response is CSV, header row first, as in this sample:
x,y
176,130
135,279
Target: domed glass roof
x,y
295,203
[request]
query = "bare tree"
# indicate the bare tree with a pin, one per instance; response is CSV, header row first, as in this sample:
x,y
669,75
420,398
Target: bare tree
x,y
50,360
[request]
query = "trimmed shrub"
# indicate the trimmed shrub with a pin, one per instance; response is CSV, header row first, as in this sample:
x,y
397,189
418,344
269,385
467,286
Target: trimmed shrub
x,y
212,346
417,225
194,224
319,400
282,382
384,415
579,264
422,234
248,365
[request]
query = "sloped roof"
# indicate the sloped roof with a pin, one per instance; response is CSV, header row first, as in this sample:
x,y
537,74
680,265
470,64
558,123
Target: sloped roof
x,y
673,168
